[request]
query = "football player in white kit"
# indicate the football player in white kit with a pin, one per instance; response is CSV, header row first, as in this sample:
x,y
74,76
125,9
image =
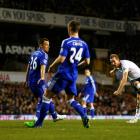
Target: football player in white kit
x,y
126,70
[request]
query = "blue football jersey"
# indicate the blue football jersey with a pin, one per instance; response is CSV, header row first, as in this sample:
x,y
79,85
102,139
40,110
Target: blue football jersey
x,y
37,59
89,87
74,49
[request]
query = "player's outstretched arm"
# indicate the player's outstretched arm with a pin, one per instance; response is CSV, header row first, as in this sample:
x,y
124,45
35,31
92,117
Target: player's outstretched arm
x,y
122,83
59,59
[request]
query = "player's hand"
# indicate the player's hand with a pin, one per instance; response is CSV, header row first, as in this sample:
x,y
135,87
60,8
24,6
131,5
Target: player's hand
x,y
117,92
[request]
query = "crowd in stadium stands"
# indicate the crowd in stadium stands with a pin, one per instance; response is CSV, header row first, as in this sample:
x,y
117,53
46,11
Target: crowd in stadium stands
x,y
118,9
109,104
15,99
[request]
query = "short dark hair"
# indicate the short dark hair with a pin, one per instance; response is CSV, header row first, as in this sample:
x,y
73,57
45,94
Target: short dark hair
x,y
75,25
114,55
41,40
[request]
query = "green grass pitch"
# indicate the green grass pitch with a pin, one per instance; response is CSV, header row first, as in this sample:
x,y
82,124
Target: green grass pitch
x,y
71,130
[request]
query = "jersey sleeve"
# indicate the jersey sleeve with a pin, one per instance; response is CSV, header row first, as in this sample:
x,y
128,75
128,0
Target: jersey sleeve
x,y
44,59
64,49
86,52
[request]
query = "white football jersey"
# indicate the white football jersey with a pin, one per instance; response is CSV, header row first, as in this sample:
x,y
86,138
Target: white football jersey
x,y
133,70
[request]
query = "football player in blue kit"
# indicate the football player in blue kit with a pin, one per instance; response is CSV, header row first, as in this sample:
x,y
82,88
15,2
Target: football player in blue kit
x,y
89,91
35,77
73,50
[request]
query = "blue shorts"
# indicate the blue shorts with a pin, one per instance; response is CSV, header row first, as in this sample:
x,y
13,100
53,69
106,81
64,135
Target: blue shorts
x,y
88,98
57,84
37,89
